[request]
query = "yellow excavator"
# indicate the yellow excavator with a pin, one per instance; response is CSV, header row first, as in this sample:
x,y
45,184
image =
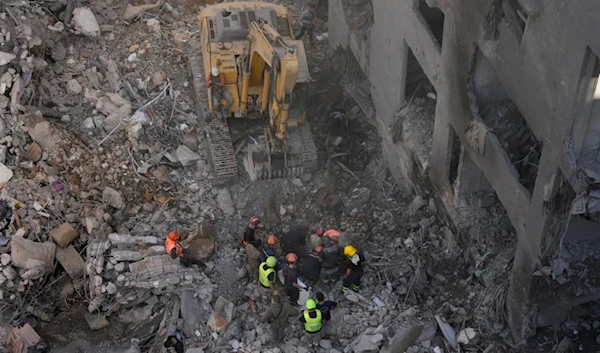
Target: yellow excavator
x,y
265,70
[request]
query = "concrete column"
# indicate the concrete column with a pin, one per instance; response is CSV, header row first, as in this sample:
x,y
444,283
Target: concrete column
x,y
470,178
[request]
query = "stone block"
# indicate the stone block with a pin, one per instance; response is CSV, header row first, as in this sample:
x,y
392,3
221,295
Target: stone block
x,y
221,316
29,254
71,261
96,321
64,234
202,248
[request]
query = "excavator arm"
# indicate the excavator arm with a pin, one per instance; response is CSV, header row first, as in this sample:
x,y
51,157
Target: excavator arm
x,y
266,50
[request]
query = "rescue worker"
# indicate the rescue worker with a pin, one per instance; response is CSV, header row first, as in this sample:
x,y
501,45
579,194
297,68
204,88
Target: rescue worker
x,y
332,256
268,248
332,234
216,81
325,306
266,273
312,318
311,265
278,315
294,241
174,249
308,19
315,239
354,269
174,343
290,273
249,237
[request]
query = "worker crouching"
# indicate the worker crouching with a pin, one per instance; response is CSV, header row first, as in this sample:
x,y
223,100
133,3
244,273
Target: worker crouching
x,y
312,318
174,249
354,269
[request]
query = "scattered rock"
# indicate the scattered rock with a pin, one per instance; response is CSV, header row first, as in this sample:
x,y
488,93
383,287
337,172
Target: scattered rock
x,y
325,344
221,316
225,201
85,22
5,58
111,288
71,261
73,87
96,321
132,12
5,174
112,197
186,156
29,254
5,259
415,205
192,313
159,77
64,234
365,344
34,152
202,248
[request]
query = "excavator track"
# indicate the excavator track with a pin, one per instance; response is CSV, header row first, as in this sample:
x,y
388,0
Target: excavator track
x,y
218,137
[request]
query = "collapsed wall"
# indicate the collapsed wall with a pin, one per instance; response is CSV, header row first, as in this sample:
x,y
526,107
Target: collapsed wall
x,y
471,108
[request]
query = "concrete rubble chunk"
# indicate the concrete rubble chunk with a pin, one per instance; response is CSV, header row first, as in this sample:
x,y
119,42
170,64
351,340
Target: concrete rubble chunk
x,y
415,205
111,288
192,313
126,255
73,87
5,174
5,259
96,321
85,22
71,261
403,338
186,156
202,248
29,254
221,316
5,58
112,197
225,201
132,12
120,239
64,234
365,344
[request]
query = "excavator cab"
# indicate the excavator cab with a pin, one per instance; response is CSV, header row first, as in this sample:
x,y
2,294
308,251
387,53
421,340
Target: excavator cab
x,y
264,69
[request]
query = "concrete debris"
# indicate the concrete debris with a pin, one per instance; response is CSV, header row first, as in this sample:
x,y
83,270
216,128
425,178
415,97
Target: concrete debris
x,y
403,339
5,58
5,174
28,254
202,248
73,87
96,321
221,316
186,156
132,12
85,22
71,261
64,234
112,197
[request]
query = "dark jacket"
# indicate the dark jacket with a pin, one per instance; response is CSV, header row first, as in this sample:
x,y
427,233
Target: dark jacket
x,y
294,241
278,314
331,256
311,267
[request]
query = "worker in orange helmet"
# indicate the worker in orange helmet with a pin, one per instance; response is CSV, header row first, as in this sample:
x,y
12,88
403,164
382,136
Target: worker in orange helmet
x,y
249,236
310,266
174,249
332,234
268,248
290,273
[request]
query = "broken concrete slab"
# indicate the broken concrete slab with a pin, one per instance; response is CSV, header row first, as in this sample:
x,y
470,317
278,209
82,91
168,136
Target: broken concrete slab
x,y
221,316
365,344
74,87
85,22
29,254
202,248
225,201
403,338
71,261
186,156
64,234
124,239
96,321
132,12
5,58
192,313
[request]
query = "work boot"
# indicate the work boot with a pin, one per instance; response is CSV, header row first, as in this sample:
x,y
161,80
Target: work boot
x,y
345,289
355,288
224,113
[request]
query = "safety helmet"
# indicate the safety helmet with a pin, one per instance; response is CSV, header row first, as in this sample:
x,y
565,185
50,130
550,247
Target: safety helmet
x,y
291,257
319,249
326,241
173,236
271,240
335,239
271,261
214,71
311,304
255,220
320,232
349,250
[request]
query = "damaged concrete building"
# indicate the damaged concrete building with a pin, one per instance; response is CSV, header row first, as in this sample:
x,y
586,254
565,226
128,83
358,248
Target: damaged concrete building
x,y
486,99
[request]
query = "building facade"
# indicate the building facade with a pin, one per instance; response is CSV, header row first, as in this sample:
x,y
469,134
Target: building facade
x,y
492,97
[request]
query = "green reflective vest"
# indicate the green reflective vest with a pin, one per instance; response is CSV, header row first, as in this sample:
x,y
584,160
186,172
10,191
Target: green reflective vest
x,y
263,274
313,324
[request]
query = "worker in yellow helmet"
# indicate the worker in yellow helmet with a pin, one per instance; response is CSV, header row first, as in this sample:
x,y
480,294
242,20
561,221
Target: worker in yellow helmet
x,y
354,262
312,318
266,273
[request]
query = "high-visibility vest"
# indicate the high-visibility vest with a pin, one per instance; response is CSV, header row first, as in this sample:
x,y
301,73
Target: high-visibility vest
x,y
263,274
313,324
173,244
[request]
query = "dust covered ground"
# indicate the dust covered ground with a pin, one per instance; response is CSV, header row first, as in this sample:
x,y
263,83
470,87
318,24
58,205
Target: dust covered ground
x,y
98,132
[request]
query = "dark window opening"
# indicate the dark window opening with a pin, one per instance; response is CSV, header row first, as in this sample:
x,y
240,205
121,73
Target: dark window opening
x,y
454,157
434,18
502,116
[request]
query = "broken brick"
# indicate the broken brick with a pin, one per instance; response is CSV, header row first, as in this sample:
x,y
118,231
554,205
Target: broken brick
x,y
64,234
71,261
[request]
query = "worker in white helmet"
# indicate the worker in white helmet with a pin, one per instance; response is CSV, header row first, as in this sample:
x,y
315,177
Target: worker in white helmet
x,y
216,81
